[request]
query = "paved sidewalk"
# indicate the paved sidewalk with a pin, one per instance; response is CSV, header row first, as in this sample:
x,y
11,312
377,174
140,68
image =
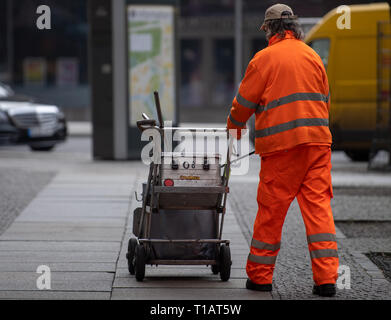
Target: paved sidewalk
x,y
79,226
75,226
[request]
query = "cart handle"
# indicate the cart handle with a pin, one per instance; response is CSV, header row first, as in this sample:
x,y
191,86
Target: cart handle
x,y
240,158
159,109
198,130
146,124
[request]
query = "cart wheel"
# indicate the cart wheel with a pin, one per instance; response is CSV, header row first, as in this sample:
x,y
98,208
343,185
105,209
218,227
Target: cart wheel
x,y
140,262
215,269
225,263
130,255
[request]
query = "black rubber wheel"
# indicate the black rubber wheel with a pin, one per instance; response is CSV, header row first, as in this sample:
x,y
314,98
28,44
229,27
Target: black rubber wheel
x,y
139,263
215,269
359,155
130,255
42,148
225,263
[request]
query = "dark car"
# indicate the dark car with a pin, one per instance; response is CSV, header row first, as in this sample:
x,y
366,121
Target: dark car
x,y
8,133
23,121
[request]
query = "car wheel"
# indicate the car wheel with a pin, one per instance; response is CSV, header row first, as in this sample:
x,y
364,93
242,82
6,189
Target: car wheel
x,y
42,148
359,155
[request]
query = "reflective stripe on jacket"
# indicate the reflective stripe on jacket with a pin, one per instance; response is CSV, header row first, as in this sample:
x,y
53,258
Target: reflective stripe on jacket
x,y
286,87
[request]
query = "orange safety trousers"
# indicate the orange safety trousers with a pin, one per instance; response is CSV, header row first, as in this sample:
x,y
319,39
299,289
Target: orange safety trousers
x,y
303,172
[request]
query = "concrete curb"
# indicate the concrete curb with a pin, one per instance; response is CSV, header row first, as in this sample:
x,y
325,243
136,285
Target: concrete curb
x,y
372,270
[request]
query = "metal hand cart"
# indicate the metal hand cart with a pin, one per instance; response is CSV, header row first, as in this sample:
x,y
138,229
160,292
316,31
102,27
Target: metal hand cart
x,y
181,218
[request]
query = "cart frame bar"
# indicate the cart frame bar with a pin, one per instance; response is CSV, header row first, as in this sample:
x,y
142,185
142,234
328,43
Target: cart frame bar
x,y
183,262
184,241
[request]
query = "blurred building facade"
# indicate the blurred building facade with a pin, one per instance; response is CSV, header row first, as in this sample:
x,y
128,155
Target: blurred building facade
x,y
52,64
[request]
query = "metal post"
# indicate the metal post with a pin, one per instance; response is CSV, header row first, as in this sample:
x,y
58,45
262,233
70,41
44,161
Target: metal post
x,y
120,105
238,42
10,39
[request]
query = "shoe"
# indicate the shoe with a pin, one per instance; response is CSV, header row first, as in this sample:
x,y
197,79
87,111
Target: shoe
x,y
325,290
258,287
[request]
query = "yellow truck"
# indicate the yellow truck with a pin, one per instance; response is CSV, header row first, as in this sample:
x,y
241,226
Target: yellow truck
x,y
358,62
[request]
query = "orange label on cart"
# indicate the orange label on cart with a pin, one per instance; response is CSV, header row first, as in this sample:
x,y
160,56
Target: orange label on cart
x,y
189,178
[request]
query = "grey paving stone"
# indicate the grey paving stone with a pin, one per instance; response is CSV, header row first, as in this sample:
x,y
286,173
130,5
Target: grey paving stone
x,y
20,227
59,246
382,282
55,256
18,188
236,263
76,208
188,294
60,281
347,207
339,233
87,190
182,272
53,295
111,222
80,200
376,274
63,233
58,266
182,282
240,252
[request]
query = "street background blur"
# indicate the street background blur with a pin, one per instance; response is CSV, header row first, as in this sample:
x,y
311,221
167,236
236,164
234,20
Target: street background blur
x,y
206,58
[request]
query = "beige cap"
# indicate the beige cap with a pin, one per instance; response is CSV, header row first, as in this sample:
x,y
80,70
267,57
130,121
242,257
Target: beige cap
x,y
276,12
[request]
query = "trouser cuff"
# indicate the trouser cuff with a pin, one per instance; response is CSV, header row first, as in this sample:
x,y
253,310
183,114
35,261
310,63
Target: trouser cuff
x,y
327,281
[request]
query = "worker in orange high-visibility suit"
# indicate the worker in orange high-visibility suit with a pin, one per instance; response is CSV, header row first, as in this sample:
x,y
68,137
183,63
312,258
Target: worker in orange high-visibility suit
x,y
286,87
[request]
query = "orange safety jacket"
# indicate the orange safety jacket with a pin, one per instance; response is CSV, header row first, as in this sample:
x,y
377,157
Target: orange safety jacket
x,y
286,87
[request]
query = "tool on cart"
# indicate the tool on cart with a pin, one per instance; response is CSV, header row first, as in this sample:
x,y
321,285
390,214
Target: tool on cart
x,y
184,202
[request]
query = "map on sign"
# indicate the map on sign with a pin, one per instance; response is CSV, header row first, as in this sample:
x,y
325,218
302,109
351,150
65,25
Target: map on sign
x,y
151,61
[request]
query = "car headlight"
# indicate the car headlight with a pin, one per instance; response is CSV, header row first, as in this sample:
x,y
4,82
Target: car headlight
x,y
3,117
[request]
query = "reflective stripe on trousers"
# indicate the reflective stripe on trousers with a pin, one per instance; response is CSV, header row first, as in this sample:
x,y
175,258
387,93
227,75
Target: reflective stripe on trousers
x,y
322,253
261,259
